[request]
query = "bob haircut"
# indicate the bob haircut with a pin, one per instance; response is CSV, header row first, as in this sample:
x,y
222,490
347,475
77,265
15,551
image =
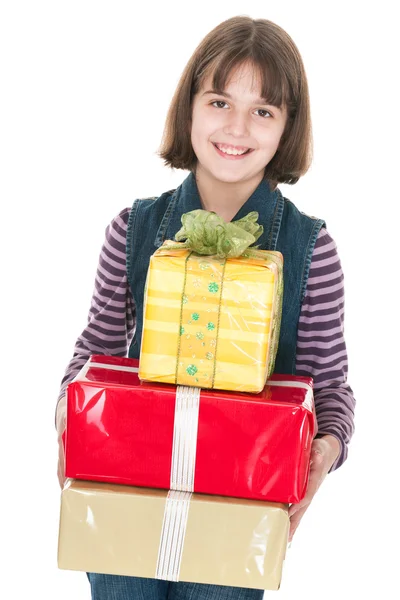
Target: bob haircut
x,y
275,57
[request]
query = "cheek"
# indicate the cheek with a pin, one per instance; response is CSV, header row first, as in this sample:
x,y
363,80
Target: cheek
x,y
205,122
271,137
195,134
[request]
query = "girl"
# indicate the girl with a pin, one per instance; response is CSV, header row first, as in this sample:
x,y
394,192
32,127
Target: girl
x,y
239,122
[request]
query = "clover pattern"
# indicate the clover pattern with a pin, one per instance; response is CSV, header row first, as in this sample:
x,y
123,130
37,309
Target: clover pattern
x,y
213,287
191,370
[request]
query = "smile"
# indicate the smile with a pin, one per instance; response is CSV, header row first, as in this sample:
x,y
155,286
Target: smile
x,y
232,152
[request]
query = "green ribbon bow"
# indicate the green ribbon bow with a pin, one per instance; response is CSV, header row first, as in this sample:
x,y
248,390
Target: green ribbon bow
x,y
206,233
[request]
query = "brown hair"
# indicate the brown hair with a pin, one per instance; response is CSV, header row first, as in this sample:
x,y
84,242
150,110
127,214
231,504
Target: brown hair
x,y
284,83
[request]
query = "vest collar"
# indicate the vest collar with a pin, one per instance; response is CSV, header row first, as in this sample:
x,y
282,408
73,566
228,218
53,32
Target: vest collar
x,y
264,201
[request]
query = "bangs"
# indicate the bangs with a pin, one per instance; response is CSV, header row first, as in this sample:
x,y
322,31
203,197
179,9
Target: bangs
x,y
274,85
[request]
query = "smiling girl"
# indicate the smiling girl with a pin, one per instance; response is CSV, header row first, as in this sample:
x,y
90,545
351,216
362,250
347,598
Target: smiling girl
x,y
239,122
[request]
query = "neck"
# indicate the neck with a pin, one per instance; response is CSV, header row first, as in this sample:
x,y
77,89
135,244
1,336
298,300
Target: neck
x,y
225,199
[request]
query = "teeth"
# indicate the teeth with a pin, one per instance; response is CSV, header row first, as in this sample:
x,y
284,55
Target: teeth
x,y
230,150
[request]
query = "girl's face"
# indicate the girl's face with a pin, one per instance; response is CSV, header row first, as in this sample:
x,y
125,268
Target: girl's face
x,y
236,121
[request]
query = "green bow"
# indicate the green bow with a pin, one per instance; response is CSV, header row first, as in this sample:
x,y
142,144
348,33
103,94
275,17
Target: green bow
x,y
206,233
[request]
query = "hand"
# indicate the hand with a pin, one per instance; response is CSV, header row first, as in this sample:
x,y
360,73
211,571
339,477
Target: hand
x,y
324,452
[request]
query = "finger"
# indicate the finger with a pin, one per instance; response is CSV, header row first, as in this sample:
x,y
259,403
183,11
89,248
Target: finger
x,y
60,477
61,469
315,479
297,507
292,531
312,487
316,475
295,521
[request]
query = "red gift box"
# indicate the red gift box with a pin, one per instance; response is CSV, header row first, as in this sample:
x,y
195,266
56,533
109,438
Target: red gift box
x,y
124,431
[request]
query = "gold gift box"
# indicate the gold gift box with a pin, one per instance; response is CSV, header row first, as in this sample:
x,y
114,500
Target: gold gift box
x,y
175,536
209,322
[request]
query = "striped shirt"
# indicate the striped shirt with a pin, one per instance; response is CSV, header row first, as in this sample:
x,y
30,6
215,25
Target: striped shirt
x,y
321,349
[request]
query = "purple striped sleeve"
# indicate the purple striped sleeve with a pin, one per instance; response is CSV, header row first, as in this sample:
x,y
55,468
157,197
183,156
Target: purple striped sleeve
x,y
321,349
111,316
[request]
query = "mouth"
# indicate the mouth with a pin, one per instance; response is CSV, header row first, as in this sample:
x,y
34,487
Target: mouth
x,y
232,152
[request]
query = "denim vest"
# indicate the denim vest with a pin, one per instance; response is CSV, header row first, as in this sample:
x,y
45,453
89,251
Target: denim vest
x,y
154,220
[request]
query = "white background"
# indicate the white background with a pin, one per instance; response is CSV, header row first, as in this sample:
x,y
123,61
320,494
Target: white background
x,y
85,91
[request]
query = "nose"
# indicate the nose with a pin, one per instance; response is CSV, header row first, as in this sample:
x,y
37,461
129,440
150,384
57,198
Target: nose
x,y
236,124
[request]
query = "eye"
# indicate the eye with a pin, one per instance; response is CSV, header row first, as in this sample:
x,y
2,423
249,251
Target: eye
x,y
263,110
218,102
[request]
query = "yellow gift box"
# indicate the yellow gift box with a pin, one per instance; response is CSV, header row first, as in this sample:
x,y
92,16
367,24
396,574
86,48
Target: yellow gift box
x,y
174,536
211,322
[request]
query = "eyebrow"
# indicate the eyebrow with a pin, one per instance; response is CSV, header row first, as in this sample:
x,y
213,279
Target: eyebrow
x,y
226,95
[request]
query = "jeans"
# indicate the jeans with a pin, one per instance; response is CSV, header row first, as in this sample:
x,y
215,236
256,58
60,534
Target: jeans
x,y
117,587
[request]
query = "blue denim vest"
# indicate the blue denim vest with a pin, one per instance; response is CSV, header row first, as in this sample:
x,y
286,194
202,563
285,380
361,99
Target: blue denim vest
x,y
154,220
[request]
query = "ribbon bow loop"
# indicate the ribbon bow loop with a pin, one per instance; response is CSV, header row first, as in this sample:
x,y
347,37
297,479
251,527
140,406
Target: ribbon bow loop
x,y
207,233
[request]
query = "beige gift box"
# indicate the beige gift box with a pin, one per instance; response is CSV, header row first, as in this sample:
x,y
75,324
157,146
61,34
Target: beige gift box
x,y
175,536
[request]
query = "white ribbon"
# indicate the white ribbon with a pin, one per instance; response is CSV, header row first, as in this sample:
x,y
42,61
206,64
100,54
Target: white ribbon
x,y
184,443
173,531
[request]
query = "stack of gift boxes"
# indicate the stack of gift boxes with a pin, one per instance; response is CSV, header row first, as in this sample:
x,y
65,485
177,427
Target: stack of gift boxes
x,y
181,466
